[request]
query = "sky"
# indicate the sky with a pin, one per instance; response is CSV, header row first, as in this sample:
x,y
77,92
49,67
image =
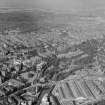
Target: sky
x,y
53,4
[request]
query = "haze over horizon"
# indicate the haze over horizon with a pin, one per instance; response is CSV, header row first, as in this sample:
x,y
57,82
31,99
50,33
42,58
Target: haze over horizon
x,y
53,4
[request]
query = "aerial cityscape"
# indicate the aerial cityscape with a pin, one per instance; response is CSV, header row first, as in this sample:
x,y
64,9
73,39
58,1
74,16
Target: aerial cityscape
x,y
52,57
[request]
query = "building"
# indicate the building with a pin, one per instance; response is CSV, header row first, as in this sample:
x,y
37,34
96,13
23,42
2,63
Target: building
x,y
79,91
40,65
13,32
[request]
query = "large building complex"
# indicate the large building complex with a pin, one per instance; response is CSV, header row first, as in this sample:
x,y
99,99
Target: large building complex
x,y
80,91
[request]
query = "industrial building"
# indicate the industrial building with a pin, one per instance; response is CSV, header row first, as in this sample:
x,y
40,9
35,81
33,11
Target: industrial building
x,y
79,91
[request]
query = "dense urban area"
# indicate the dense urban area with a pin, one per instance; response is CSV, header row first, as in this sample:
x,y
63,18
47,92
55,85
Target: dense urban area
x,y
46,60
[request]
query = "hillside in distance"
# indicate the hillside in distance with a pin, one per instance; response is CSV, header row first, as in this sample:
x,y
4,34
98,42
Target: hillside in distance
x,y
86,23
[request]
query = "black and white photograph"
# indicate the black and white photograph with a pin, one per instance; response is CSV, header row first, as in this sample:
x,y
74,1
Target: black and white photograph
x,y
52,52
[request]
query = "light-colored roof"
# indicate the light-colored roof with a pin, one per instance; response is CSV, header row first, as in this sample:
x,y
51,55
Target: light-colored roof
x,y
79,89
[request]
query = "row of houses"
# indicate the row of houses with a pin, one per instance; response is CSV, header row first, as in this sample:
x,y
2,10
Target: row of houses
x,y
79,91
9,86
